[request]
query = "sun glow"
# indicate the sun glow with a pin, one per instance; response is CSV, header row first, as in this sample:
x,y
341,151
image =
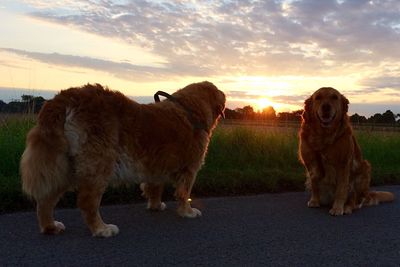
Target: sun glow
x,y
262,103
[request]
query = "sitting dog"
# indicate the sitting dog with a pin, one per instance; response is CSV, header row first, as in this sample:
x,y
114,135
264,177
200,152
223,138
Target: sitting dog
x,y
337,173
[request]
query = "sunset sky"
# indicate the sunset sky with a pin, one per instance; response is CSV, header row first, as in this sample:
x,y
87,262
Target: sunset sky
x,y
259,53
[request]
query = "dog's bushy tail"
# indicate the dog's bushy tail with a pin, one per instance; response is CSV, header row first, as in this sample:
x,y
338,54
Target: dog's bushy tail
x,y
376,197
371,197
44,164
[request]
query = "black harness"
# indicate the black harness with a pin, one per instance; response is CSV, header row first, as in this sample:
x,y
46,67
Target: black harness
x,y
197,125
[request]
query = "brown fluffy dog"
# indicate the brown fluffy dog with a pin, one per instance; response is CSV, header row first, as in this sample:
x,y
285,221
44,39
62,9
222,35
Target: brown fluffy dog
x,y
337,173
88,137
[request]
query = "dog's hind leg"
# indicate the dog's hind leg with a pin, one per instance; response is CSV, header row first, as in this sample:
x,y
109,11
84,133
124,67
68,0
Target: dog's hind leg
x,y
153,192
45,209
182,193
89,198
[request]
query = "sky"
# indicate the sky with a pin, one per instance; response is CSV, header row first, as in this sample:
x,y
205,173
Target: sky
x,y
260,53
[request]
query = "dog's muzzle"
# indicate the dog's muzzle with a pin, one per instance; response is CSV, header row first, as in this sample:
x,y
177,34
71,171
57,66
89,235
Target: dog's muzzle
x,y
326,115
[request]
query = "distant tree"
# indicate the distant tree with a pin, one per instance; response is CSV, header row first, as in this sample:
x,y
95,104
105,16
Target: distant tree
x,y
247,112
290,116
232,114
2,105
268,113
27,104
15,107
357,119
37,103
387,117
375,118
27,98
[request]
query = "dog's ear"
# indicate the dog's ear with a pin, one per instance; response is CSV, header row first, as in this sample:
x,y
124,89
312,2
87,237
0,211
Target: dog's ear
x,y
345,104
307,113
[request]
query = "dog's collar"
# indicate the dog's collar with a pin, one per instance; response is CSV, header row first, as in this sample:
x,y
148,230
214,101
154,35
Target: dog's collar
x,y
197,125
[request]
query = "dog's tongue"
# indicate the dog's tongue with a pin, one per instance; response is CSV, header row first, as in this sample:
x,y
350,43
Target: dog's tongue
x,y
326,119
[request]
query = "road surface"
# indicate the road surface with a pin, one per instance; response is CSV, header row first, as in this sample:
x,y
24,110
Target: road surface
x,y
262,230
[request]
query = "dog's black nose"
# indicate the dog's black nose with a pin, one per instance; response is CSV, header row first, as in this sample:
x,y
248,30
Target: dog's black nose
x,y
326,107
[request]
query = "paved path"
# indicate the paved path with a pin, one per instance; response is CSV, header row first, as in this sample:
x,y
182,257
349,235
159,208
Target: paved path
x,y
264,230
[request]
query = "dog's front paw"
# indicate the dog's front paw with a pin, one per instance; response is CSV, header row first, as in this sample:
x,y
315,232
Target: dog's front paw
x,y
313,203
55,229
348,209
107,231
157,207
336,211
190,213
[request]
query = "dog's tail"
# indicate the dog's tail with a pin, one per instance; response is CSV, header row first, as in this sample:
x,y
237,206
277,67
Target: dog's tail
x,y
44,164
368,197
376,197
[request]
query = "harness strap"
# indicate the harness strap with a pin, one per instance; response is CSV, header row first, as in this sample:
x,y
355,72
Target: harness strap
x,y
197,125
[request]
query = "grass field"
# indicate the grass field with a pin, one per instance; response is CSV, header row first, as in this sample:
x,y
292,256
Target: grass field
x,y
241,160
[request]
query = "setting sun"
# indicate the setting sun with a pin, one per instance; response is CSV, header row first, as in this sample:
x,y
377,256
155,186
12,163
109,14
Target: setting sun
x,y
262,103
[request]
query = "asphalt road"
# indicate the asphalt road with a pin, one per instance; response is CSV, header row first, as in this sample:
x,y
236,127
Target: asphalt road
x,y
263,230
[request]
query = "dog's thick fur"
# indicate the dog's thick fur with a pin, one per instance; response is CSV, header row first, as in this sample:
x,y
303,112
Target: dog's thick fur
x,y
90,136
337,173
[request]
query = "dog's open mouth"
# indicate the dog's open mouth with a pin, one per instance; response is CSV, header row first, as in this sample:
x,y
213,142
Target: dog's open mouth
x,y
326,119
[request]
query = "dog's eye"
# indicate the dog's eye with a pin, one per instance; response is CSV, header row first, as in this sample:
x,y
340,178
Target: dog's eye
x,y
334,97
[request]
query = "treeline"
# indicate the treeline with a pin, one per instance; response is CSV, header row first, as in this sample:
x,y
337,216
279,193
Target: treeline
x,y
387,118
33,104
27,105
269,114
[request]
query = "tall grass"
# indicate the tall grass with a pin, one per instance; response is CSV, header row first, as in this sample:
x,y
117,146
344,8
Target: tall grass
x,y
255,159
12,139
240,160
251,160
13,132
382,150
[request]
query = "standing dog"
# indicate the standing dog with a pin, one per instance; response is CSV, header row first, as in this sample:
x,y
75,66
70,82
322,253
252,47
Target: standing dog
x,y
90,136
337,173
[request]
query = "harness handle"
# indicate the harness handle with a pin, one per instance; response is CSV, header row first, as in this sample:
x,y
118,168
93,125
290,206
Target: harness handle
x,y
161,93
196,124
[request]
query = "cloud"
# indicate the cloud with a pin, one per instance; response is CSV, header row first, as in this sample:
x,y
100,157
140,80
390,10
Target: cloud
x,y
123,70
8,64
382,82
307,37
290,99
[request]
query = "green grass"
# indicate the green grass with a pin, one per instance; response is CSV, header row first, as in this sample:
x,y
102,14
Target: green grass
x,y
249,160
382,149
241,160
12,143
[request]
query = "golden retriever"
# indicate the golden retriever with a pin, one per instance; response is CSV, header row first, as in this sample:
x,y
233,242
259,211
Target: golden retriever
x,y
90,136
337,173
